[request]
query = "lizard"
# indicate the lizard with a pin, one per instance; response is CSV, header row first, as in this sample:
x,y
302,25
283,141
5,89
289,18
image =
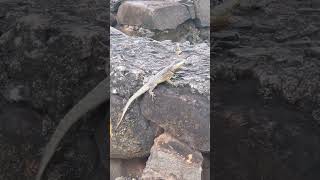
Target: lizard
x,y
94,98
164,75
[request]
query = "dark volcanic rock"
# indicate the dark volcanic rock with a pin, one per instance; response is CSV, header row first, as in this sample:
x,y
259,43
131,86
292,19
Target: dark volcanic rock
x,y
133,60
20,124
55,52
182,114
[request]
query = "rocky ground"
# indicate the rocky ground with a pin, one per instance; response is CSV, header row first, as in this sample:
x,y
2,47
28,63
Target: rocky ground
x,y
51,55
179,116
168,138
265,62
153,19
265,76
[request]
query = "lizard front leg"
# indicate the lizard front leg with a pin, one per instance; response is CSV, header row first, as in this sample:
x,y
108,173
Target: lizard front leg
x,y
152,95
151,92
171,82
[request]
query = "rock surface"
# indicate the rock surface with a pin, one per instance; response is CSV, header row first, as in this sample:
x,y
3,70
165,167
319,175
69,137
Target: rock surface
x,y
266,84
132,61
153,14
51,55
202,9
171,159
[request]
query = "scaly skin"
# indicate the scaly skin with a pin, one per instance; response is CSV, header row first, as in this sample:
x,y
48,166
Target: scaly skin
x,y
163,76
94,98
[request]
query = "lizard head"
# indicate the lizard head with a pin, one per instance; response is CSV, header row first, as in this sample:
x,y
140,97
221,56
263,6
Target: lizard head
x,y
176,65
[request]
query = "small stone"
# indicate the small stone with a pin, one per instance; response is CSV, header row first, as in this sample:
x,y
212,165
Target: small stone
x,y
171,159
153,14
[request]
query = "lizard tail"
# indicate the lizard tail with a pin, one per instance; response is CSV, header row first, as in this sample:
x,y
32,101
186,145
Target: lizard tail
x,y
125,110
94,98
142,90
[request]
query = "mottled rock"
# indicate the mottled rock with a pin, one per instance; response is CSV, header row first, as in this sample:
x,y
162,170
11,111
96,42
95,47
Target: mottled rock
x,y
52,59
133,60
126,168
171,159
202,8
183,114
314,52
153,14
224,8
114,5
226,35
20,124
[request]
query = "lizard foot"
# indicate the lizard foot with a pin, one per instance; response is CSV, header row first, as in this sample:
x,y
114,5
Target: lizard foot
x,y
153,96
172,83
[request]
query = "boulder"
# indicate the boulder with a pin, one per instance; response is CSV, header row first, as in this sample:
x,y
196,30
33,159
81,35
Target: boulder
x,y
171,159
160,15
133,60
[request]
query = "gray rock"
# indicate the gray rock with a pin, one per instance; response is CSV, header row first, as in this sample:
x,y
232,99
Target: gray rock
x,y
226,35
314,52
65,48
238,22
126,167
133,60
183,114
56,50
153,14
224,8
202,8
20,124
114,5
171,159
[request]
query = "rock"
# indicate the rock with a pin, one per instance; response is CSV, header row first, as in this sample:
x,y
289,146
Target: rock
x,y
184,115
113,20
254,4
153,14
116,169
52,54
308,10
134,139
206,168
114,5
238,22
314,52
52,59
224,8
20,124
226,35
126,167
284,35
17,92
171,159
133,60
202,8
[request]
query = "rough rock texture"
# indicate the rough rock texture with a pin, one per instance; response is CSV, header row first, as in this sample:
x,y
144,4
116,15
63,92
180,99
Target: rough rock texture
x,y
202,9
153,14
51,55
181,113
132,61
266,86
171,159
132,168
